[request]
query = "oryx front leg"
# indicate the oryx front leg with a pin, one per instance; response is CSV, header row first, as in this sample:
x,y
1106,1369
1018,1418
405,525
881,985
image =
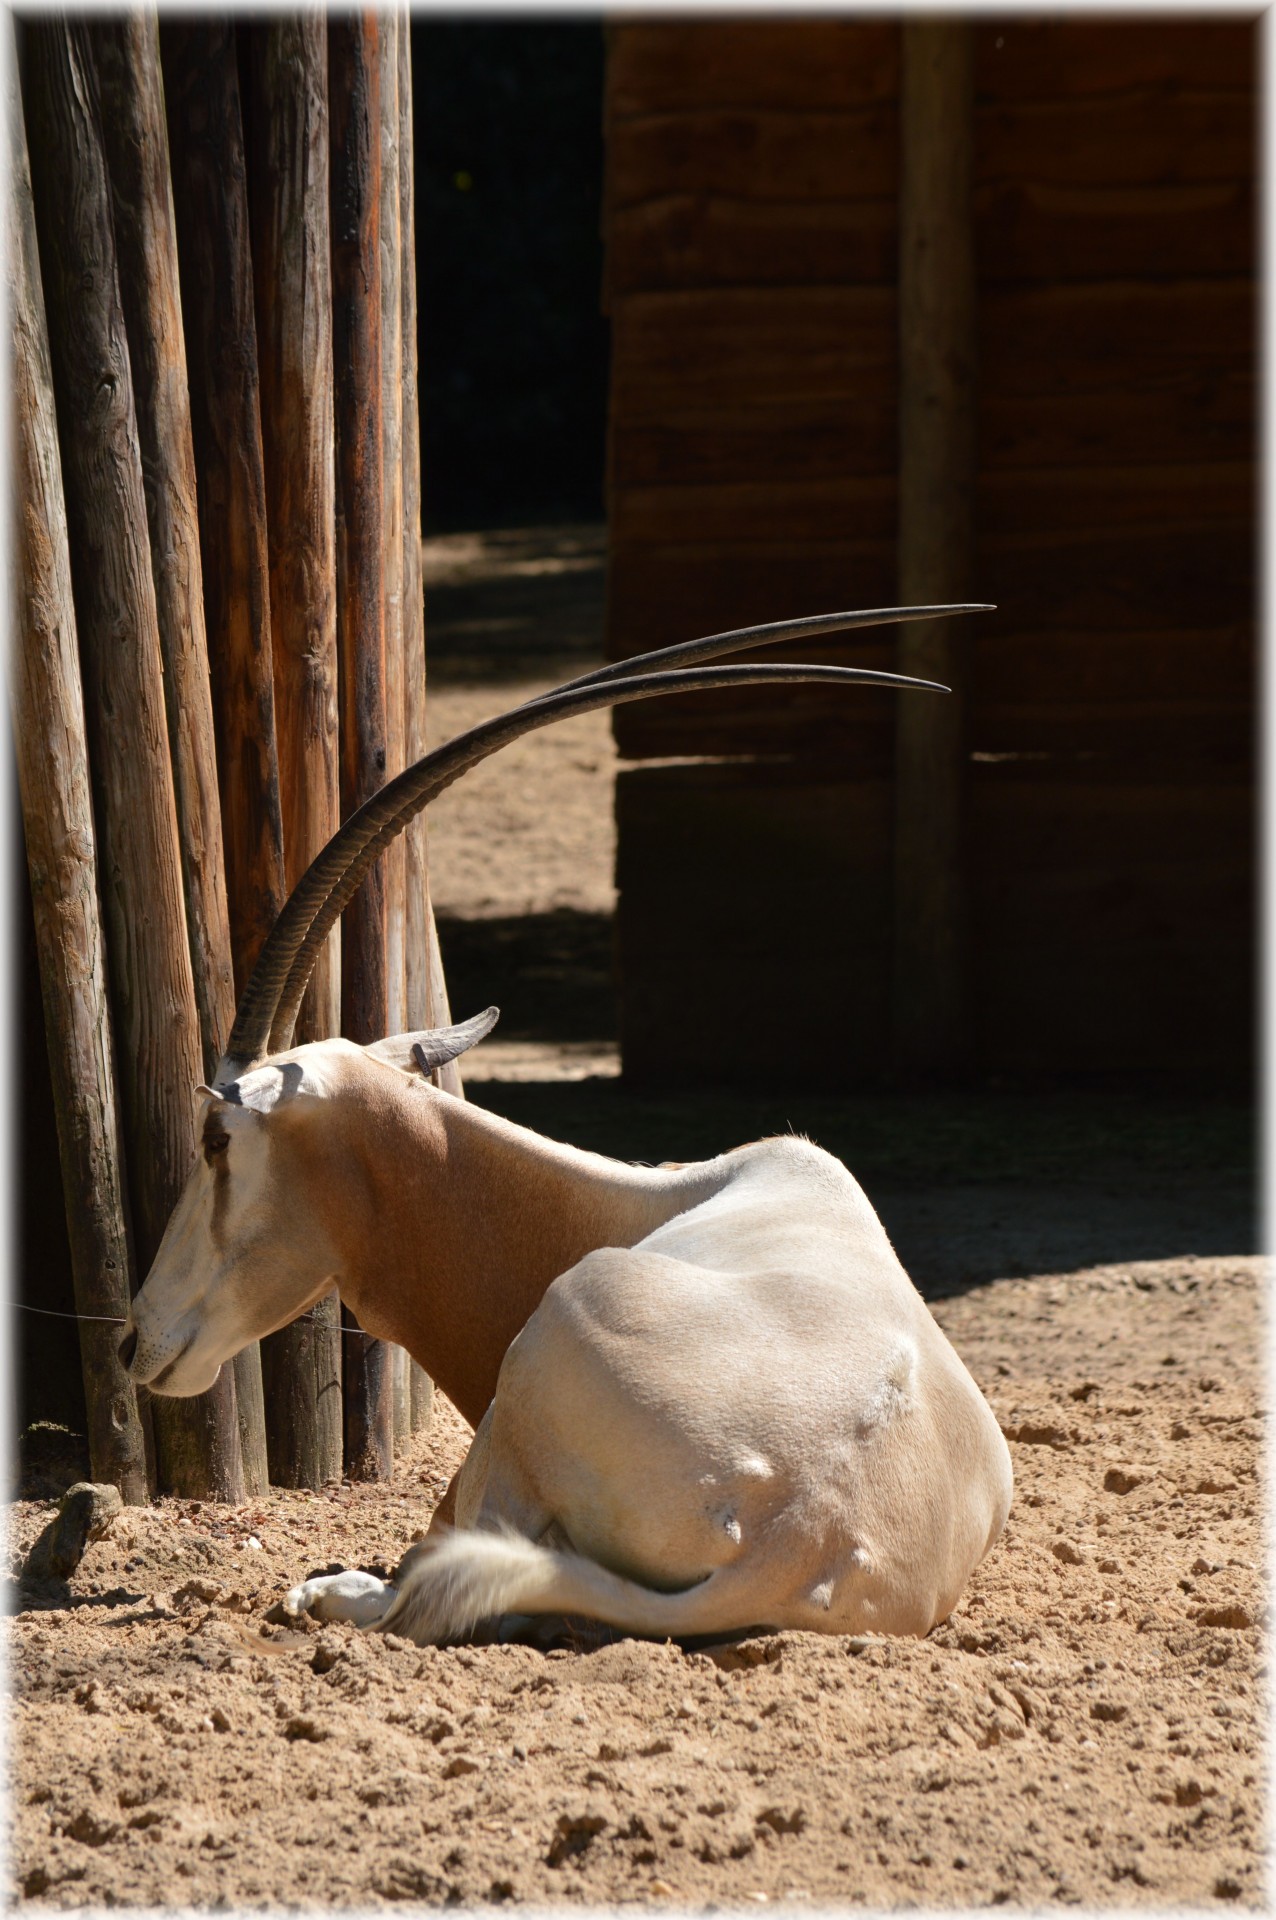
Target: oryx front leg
x,y
359,1598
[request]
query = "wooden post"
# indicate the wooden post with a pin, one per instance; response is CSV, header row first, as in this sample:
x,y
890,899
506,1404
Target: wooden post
x,y
395,860
936,531
206,136
51,750
157,1029
354,114
418,920
427,989
416,937
292,275
390,26
210,191
127,50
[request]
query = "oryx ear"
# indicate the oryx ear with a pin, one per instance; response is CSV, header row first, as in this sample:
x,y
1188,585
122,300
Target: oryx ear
x,y
423,1052
264,1088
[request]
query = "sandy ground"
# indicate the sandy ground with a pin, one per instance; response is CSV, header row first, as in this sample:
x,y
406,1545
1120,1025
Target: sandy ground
x,y
1087,1728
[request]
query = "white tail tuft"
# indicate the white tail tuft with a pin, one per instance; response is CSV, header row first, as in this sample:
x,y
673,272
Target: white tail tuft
x,y
467,1577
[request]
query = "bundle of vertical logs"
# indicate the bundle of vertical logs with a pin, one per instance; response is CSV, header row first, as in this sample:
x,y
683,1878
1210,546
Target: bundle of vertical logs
x,y
219,640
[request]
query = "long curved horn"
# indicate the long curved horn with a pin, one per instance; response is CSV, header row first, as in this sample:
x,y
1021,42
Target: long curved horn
x,y
270,1001
687,653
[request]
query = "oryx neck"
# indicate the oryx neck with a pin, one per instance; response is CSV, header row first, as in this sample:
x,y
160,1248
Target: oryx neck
x,y
470,1219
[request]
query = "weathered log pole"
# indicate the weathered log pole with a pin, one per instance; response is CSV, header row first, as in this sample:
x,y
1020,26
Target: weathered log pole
x,y
416,936
395,863
210,192
301,1364
390,25
149,969
931,990
428,998
132,91
354,117
419,921
51,750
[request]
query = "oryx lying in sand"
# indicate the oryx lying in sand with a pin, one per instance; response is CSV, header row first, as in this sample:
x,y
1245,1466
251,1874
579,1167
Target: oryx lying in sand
x,y
707,1397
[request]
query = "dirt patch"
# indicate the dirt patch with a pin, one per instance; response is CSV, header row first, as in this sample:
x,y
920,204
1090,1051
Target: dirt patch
x,y
1087,1727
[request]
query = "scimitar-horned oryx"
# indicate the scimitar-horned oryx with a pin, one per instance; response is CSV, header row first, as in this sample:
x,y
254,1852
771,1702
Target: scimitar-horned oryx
x,y
707,1397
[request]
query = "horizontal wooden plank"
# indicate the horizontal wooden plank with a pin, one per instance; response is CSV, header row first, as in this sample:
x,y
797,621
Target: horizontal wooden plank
x,y
1016,668
1112,922
1081,57
1104,497
1160,137
754,155
1061,234
706,446
690,240
656,595
1132,577
862,506
1023,232
1174,733
778,347
668,65
1198,415
1183,416
1122,334
786,875
1108,1016
865,506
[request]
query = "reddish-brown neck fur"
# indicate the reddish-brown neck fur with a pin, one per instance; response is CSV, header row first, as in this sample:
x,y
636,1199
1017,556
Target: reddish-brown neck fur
x,y
451,1222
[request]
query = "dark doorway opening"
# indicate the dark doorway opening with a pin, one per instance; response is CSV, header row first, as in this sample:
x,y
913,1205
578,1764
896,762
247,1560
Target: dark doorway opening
x,y
513,344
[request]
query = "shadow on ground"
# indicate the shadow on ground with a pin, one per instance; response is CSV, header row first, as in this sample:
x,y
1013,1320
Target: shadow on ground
x,y
972,1186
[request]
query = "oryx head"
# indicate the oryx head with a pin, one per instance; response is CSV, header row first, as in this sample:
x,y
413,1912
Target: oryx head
x,y
245,1250
249,1245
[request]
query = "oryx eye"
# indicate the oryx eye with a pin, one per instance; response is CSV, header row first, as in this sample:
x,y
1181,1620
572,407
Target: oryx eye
x,y
215,1144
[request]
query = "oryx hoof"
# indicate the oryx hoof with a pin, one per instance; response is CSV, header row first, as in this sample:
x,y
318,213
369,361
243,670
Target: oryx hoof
x,y
359,1598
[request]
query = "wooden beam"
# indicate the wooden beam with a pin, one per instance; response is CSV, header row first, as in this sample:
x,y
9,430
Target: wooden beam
x,y
206,138
354,113
51,750
420,939
152,993
930,989
301,1364
392,500
127,50
392,24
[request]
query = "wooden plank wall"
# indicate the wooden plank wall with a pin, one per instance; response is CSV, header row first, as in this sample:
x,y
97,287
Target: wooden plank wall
x,y
751,221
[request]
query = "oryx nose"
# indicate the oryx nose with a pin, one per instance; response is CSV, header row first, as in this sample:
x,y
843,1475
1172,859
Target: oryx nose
x,y
128,1347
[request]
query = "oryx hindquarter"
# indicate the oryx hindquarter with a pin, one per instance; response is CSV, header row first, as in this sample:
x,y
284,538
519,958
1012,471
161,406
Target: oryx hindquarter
x,y
706,1396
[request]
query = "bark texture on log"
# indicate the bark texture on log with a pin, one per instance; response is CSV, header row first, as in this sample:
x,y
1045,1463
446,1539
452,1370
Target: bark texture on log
x,y
930,987
391,25
426,990
157,1030
293,279
354,112
418,920
127,50
51,750
417,932
210,193
301,1364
